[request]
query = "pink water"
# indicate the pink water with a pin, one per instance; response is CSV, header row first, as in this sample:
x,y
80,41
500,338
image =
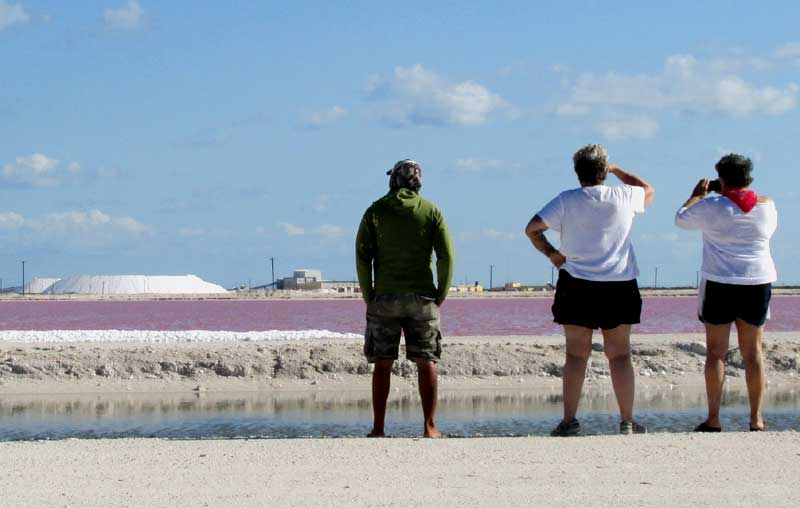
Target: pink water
x,y
513,316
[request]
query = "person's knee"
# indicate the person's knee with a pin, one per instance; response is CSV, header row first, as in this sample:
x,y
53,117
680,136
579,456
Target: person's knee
x,y
425,365
752,356
383,366
579,354
617,352
716,352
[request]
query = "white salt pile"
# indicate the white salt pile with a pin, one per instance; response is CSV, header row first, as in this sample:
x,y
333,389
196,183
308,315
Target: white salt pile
x,y
166,336
39,285
130,285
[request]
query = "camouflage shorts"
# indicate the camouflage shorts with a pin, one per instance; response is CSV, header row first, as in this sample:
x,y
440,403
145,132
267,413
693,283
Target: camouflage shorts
x,y
416,316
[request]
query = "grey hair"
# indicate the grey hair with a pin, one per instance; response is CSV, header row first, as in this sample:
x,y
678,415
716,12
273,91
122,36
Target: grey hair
x,y
591,164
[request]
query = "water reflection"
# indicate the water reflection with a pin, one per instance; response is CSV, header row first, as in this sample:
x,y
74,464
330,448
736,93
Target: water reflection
x,y
263,414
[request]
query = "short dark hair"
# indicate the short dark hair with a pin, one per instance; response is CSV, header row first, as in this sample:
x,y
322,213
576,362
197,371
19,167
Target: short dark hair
x,y
591,164
735,169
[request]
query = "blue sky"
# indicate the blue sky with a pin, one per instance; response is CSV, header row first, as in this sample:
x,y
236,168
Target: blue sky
x,y
201,137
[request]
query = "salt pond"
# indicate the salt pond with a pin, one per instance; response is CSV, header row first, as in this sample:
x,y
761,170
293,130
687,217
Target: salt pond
x,y
334,414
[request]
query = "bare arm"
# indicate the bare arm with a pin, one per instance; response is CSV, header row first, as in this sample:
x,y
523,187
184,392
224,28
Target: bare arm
x,y
634,180
698,193
535,231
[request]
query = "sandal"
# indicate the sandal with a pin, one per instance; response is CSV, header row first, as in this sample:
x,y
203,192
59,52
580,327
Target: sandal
x,y
756,429
705,427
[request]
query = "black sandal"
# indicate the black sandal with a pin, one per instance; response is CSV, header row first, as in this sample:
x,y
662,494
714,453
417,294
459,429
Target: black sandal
x,y
756,429
705,427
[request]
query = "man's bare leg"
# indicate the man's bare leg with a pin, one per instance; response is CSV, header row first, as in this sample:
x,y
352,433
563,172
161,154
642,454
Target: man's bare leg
x,y
751,347
579,347
617,346
426,371
717,337
381,382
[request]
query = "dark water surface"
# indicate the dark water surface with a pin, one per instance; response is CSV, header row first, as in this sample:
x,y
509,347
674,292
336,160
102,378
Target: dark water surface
x,y
260,415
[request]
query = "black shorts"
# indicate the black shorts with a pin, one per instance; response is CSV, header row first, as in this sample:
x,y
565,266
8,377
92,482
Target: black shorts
x,y
596,304
722,304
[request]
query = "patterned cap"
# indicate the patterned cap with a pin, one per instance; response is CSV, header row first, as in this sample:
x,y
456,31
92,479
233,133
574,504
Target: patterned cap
x,y
406,174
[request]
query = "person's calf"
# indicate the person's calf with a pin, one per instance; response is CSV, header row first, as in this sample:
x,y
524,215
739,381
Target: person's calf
x,y
428,390
381,383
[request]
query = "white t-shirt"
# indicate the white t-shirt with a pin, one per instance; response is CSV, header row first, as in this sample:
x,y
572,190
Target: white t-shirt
x,y
735,244
595,225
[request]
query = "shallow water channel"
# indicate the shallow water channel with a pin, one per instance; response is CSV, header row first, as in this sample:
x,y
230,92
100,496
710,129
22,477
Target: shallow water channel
x,y
342,414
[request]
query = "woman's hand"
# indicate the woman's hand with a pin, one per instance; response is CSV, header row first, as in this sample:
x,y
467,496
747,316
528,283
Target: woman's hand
x,y
557,259
701,189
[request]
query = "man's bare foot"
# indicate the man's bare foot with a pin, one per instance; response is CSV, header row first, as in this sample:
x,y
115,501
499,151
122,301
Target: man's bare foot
x,y
432,433
376,433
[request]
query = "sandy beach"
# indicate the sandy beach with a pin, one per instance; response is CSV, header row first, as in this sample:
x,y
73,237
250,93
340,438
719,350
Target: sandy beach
x,y
634,471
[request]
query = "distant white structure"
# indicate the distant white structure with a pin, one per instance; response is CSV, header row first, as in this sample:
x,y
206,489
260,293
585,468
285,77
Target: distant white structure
x,y
127,285
39,285
311,280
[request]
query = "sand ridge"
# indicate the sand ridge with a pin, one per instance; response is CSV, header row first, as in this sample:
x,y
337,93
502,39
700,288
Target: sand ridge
x,y
467,362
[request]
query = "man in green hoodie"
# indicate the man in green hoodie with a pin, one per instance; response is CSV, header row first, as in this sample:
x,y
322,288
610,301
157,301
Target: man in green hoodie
x,y
396,240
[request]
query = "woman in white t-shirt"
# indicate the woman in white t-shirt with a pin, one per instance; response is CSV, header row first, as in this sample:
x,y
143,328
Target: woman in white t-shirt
x,y
597,276
737,277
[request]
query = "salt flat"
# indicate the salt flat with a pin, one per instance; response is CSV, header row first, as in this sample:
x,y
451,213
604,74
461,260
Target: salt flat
x,y
729,469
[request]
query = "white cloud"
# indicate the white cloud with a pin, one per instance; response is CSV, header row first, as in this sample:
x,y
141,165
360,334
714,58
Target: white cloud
x,y
291,229
419,96
684,84
10,221
325,118
641,127
12,14
330,231
487,234
494,234
471,166
570,109
128,18
83,227
78,221
37,170
790,51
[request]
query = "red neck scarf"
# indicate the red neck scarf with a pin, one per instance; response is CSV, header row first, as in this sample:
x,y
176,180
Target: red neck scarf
x,y
744,198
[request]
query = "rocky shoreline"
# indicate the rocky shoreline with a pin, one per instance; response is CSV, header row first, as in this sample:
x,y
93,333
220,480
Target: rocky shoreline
x,y
472,361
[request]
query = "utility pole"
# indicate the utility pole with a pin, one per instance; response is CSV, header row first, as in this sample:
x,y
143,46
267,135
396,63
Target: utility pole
x,y
655,282
491,274
552,275
23,278
697,279
272,262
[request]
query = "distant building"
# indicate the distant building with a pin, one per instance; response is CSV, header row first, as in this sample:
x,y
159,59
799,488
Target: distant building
x,y
466,288
310,280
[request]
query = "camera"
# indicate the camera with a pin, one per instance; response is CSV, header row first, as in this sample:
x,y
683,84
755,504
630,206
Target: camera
x,y
714,186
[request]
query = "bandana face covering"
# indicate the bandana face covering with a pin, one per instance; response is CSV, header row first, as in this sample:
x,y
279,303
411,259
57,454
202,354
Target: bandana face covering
x,y
744,198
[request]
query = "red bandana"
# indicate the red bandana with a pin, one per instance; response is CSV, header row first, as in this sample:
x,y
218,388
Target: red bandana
x,y
744,198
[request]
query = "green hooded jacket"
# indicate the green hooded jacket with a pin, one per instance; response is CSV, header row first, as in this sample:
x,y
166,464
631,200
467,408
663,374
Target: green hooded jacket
x,y
397,237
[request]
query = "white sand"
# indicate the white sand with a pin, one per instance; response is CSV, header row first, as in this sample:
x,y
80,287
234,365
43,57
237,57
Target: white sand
x,y
731,469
